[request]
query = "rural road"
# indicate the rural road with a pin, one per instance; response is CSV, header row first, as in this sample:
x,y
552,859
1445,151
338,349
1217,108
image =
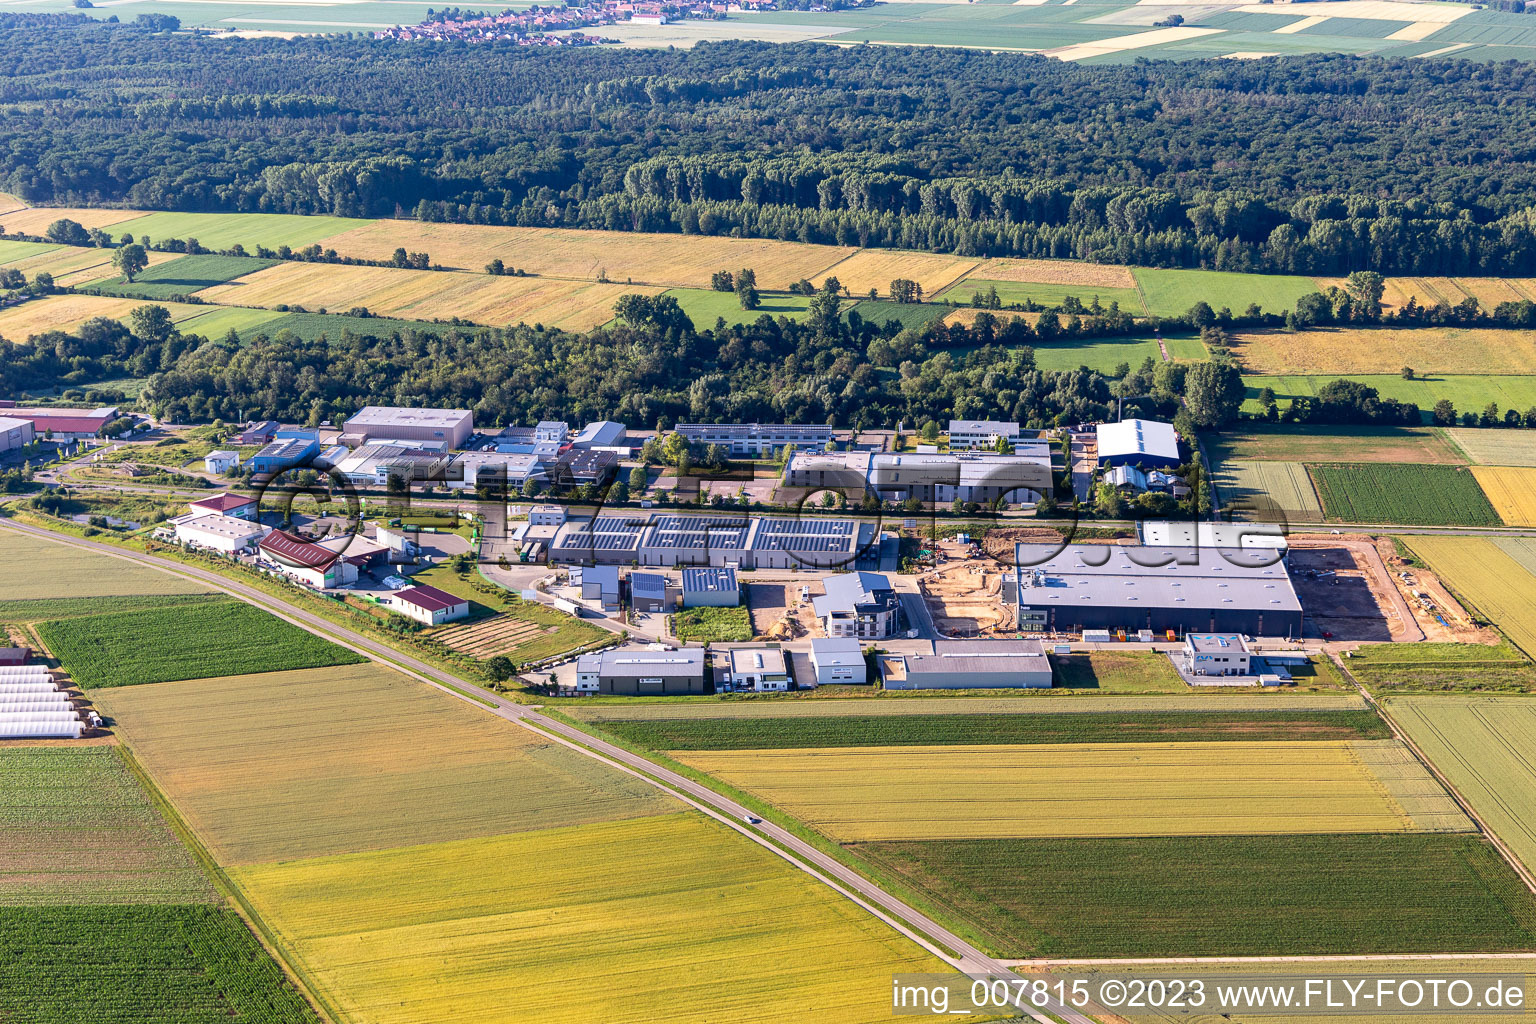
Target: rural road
x,y
842,879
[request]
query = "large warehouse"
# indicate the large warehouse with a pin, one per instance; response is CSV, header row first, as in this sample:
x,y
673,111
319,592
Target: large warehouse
x,y
390,423
1110,586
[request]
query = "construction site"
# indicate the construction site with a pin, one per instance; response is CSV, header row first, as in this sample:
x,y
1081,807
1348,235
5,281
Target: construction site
x,y
965,599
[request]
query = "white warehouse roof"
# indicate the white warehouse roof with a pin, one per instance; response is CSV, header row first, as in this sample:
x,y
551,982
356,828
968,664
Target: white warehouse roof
x,y
1138,437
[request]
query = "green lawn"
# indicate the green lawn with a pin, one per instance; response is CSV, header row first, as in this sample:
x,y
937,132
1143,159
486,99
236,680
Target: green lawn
x,y
1223,896
1405,495
1020,292
184,276
1172,292
712,625
1117,672
1442,666
1466,393
12,251
963,729
908,314
704,306
224,230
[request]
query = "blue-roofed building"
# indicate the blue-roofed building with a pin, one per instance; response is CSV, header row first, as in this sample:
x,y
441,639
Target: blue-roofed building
x,y
284,454
711,588
647,591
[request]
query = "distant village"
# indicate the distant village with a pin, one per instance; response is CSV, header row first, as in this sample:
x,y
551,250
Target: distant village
x,y
536,25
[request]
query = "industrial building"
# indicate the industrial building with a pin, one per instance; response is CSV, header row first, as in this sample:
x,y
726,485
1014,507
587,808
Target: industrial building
x,y
1216,654
970,664
647,592
711,588
575,467
1145,443
862,605
779,543
551,430
65,424
15,433
223,461
258,432
492,470
838,660
756,438
927,476
642,672
283,454
374,465
760,669
605,540
598,584
673,540
392,423
1254,543
721,541
226,504
428,605
305,561
1131,588
547,515
602,434
966,434
215,532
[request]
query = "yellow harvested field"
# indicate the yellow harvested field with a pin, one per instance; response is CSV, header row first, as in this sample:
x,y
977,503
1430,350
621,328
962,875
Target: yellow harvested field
x,y
35,220
1378,10
968,316
877,268
1427,291
1134,41
624,256
1511,490
9,202
1057,272
1490,291
1483,575
1086,789
671,918
1386,350
428,294
280,765
74,266
66,312
34,567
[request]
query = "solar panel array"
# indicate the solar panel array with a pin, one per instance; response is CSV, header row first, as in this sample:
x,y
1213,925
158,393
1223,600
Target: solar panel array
x,y
699,533
605,533
806,535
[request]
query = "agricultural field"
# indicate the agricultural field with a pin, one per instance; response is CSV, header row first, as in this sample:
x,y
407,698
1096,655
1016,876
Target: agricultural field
x,y
1102,354
75,821
1467,393
877,268
1067,273
282,765
426,294
1073,897
186,642
765,733
1521,549
712,625
176,964
1408,495
1511,490
218,321
39,609
1286,443
1485,576
1442,666
1261,488
1173,292
71,266
1428,291
1021,293
1482,745
487,638
1384,350
535,631
34,568
915,315
35,221
314,326
524,920
226,230
185,275
1087,789
626,257
1495,447
66,312
705,307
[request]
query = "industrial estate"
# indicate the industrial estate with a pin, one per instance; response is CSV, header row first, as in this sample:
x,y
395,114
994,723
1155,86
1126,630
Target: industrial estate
x,y
504,520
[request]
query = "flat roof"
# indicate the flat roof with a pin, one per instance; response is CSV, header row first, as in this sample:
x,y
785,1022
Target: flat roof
x,y
837,651
699,533
1120,575
985,427
758,659
220,525
605,533
648,583
849,590
1267,537
1217,642
1138,437
684,661
400,416
710,580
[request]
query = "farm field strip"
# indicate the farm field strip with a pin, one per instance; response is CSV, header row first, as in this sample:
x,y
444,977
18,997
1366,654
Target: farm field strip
x,y
1059,272
66,312
74,820
185,275
1080,789
1173,292
73,572
1021,705
1483,744
1021,292
500,634
280,765
159,645
1522,550
225,230
1262,486
40,609
1486,577
1385,350
1408,495
525,921
876,268
1511,491
1286,443
35,220
704,306
1494,446
71,266
1468,393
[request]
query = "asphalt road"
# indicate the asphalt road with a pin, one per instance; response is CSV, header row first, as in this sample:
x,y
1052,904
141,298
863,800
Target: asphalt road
x,y
905,919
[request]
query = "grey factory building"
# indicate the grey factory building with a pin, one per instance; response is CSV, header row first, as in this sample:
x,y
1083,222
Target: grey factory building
x,y
642,672
696,540
970,665
1132,587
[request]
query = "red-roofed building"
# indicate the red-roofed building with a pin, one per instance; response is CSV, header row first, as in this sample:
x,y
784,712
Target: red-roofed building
x,y
67,424
428,605
236,506
306,561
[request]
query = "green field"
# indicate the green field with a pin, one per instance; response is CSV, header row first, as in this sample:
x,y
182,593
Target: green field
x,y
1466,393
225,230
74,820
220,320
37,567
11,251
1442,666
1117,672
160,964
908,314
704,307
188,642
1019,293
945,729
184,276
39,609
1276,895
1173,292
718,625
1101,354
313,326
1406,495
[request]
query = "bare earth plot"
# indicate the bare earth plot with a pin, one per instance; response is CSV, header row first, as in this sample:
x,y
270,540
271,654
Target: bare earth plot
x,y
307,763
1386,350
1480,572
36,568
623,256
1088,789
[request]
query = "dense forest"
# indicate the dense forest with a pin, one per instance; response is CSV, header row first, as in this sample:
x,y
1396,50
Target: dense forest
x,y
1318,164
